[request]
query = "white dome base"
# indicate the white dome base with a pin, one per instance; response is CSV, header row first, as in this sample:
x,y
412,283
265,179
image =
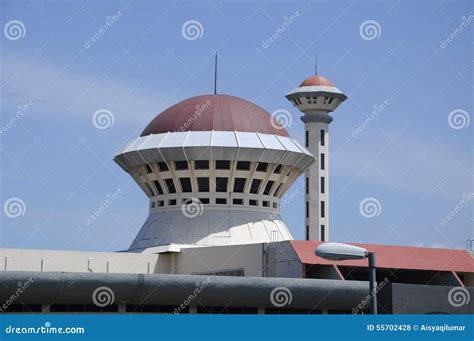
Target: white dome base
x,y
214,226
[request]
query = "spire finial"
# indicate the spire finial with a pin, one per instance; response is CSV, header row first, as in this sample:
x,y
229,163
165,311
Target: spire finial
x,y
215,75
316,63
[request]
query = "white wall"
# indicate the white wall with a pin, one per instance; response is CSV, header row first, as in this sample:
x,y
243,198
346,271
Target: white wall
x,y
186,261
217,258
77,261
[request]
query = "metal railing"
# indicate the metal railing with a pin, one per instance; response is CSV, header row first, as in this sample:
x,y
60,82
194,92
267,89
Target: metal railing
x,y
469,246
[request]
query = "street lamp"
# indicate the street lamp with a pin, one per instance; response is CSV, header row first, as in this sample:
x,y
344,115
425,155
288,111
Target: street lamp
x,y
338,251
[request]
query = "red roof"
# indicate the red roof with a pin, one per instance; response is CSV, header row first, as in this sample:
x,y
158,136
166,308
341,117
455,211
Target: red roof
x,y
316,81
395,257
214,112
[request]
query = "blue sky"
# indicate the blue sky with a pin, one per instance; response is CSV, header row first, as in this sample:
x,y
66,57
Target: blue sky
x,y
414,160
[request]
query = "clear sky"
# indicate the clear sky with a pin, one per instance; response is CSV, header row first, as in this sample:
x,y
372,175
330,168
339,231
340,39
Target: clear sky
x,y
412,60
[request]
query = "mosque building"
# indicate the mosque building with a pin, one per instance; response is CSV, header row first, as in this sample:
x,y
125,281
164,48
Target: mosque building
x,y
215,168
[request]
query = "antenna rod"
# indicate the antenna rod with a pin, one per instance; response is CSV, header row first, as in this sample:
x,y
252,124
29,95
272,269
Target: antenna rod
x,y
316,63
215,75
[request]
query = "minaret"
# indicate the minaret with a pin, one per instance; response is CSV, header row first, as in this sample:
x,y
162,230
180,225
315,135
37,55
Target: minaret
x,y
316,97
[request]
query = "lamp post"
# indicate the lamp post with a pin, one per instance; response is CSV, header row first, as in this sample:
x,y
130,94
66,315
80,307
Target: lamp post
x,y
339,251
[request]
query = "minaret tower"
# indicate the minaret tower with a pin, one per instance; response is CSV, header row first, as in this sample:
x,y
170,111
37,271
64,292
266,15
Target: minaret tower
x,y
316,97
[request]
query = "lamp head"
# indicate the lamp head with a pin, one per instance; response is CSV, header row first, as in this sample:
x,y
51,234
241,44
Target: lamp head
x,y
339,251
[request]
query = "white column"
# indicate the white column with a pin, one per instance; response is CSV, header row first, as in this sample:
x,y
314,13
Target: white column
x,y
317,181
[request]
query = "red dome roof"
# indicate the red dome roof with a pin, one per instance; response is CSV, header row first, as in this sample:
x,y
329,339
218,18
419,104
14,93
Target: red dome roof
x,y
316,81
214,112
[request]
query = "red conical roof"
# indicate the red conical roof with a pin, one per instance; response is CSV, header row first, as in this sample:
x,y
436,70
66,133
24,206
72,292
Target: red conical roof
x,y
214,112
316,81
